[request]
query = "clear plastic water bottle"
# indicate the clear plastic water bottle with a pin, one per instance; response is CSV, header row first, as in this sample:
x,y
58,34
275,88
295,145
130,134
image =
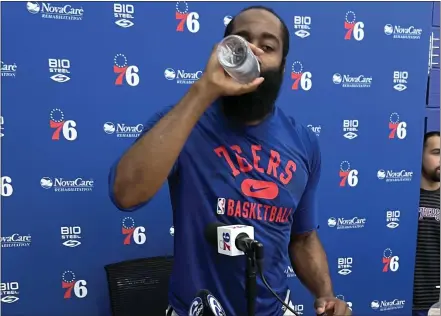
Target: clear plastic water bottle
x,y
238,60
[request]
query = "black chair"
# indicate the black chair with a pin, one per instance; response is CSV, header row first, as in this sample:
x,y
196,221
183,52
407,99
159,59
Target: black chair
x,y
139,287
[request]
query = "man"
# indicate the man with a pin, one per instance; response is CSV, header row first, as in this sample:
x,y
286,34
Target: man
x,y
226,142
427,263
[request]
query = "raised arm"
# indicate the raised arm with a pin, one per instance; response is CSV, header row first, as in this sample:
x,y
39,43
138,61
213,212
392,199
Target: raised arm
x,y
142,170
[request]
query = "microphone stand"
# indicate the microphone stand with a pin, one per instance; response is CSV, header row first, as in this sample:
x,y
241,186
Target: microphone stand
x,y
251,283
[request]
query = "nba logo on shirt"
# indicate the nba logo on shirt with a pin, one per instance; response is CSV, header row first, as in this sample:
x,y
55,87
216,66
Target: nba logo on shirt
x,y
220,206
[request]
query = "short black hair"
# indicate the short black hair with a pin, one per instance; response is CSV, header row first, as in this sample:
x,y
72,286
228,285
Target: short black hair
x,y
285,32
429,135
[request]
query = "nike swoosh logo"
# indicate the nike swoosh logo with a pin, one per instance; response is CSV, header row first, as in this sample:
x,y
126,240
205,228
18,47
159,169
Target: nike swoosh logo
x,y
259,189
253,189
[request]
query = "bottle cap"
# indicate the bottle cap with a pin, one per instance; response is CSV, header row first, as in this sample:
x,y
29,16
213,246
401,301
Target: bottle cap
x,y
233,51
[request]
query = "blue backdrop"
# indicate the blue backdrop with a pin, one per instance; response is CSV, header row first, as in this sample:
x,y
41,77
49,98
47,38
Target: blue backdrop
x,y
80,79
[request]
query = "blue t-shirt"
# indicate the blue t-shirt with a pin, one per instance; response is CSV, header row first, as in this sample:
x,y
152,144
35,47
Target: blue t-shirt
x,y
264,176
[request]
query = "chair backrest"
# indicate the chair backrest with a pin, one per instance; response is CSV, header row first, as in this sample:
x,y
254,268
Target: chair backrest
x,y
139,287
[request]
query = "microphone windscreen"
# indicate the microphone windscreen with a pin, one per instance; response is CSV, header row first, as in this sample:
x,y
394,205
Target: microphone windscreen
x,y
211,233
197,305
202,293
205,304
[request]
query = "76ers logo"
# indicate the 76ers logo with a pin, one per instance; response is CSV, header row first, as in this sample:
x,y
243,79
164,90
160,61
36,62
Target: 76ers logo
x,y
390,263
77,287
354,29
397,128
302,79
348,176
125,72
64,127
132,232
225,243
185,18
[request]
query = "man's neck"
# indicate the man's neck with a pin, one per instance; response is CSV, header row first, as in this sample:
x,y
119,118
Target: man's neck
x,y
429,185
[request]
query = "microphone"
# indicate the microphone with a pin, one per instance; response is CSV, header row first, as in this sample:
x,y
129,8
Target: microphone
x,y
205,304
235,240
230,240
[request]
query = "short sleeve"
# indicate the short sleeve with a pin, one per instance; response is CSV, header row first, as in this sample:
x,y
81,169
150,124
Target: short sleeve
x,y
305,217
112,174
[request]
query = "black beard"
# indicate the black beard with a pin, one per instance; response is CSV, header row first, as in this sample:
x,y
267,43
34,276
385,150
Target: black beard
x,y
258,104
432,176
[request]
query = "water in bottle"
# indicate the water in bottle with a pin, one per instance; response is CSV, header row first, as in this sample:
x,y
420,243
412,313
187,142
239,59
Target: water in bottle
x,y
238,60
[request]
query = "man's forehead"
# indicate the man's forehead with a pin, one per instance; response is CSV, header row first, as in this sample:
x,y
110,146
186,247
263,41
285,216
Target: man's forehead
x,y
433,142
258,18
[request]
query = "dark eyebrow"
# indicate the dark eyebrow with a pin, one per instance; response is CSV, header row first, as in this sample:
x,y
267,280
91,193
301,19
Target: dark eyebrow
x,y
264,35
